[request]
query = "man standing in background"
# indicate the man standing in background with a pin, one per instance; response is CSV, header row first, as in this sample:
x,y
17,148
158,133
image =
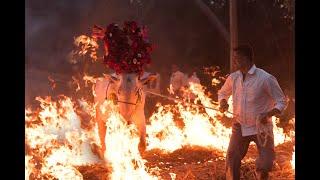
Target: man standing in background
x,y
178,80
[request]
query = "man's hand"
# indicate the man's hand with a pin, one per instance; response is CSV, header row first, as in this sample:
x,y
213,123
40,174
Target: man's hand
x,y
263,118
223,106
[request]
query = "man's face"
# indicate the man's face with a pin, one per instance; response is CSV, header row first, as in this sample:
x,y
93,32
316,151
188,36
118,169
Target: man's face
x,y
241,62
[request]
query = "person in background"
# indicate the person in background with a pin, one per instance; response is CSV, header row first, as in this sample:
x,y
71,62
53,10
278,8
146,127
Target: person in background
x,y
178,80
193,78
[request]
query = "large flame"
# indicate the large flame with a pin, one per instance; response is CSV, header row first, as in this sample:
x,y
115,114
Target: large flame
x,y
56,139
122,147
58,143
200,129
63,145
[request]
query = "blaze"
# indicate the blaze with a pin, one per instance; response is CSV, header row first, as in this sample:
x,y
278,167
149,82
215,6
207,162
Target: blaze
x,y
293,158
57,143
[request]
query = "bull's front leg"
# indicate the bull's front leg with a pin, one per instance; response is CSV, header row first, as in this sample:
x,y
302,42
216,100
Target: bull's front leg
x,y
140,122
142,143
102,134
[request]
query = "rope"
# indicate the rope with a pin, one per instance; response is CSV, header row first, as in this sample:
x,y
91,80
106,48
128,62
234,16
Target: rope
x,y
263,132
126,102
179,100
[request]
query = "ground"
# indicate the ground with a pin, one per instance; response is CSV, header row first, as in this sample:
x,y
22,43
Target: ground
x,y
201,164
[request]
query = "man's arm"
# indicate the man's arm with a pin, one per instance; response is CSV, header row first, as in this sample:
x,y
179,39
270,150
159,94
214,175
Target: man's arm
x,y
272,87
224,93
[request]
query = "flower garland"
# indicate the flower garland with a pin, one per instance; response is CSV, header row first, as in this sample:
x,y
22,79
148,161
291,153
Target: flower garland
x,y
127,50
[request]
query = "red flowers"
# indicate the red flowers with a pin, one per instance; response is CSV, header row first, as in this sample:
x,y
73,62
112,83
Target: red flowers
x,y
127,50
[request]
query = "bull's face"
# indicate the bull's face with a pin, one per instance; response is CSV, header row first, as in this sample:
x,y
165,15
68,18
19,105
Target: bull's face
x,y
129,93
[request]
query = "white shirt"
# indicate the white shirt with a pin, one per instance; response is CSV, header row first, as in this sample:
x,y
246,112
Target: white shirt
x,y
194,79
178,80
258,93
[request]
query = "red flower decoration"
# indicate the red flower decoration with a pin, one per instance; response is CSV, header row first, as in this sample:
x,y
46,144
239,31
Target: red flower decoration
x,y
127,50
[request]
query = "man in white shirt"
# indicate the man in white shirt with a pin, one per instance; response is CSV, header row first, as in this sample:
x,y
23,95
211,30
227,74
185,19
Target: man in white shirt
x,y
178,79
256,97
193,78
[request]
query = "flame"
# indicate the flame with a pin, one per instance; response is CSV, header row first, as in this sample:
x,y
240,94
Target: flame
x,y
28,167
85,44
76,81
57,142
200,129
214,72
92,80
215,82
173,176
279,136
88,78
293,158
122,147
63,144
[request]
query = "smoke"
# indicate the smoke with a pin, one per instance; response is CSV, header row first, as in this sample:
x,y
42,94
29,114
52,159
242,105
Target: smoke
x,y
180,31
176,27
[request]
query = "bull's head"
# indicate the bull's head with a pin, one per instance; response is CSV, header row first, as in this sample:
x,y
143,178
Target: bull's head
x,y
129,91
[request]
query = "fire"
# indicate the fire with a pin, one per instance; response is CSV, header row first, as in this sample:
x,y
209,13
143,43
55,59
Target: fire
x,y
57,141
122,147
215,82
173,176
200,129
28,167
92,80
214,72
293,158
57,144
88,78
76,81
86,44
63,145
279,136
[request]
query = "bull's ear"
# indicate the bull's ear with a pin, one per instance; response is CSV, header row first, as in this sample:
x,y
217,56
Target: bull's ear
x,y
111,78
146,80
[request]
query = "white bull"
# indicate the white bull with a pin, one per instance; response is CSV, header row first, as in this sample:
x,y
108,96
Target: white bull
x,y
127,88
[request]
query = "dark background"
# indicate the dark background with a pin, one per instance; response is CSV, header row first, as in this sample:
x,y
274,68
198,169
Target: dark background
x,y
181,31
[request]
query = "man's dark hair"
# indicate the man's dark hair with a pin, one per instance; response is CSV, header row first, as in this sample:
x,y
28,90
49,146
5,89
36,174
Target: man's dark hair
x,y
245,50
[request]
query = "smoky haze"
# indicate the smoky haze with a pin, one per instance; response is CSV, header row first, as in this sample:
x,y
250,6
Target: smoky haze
x,y
179,29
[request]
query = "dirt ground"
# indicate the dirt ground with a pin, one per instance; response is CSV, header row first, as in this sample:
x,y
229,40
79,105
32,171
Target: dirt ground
x,y
201,164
